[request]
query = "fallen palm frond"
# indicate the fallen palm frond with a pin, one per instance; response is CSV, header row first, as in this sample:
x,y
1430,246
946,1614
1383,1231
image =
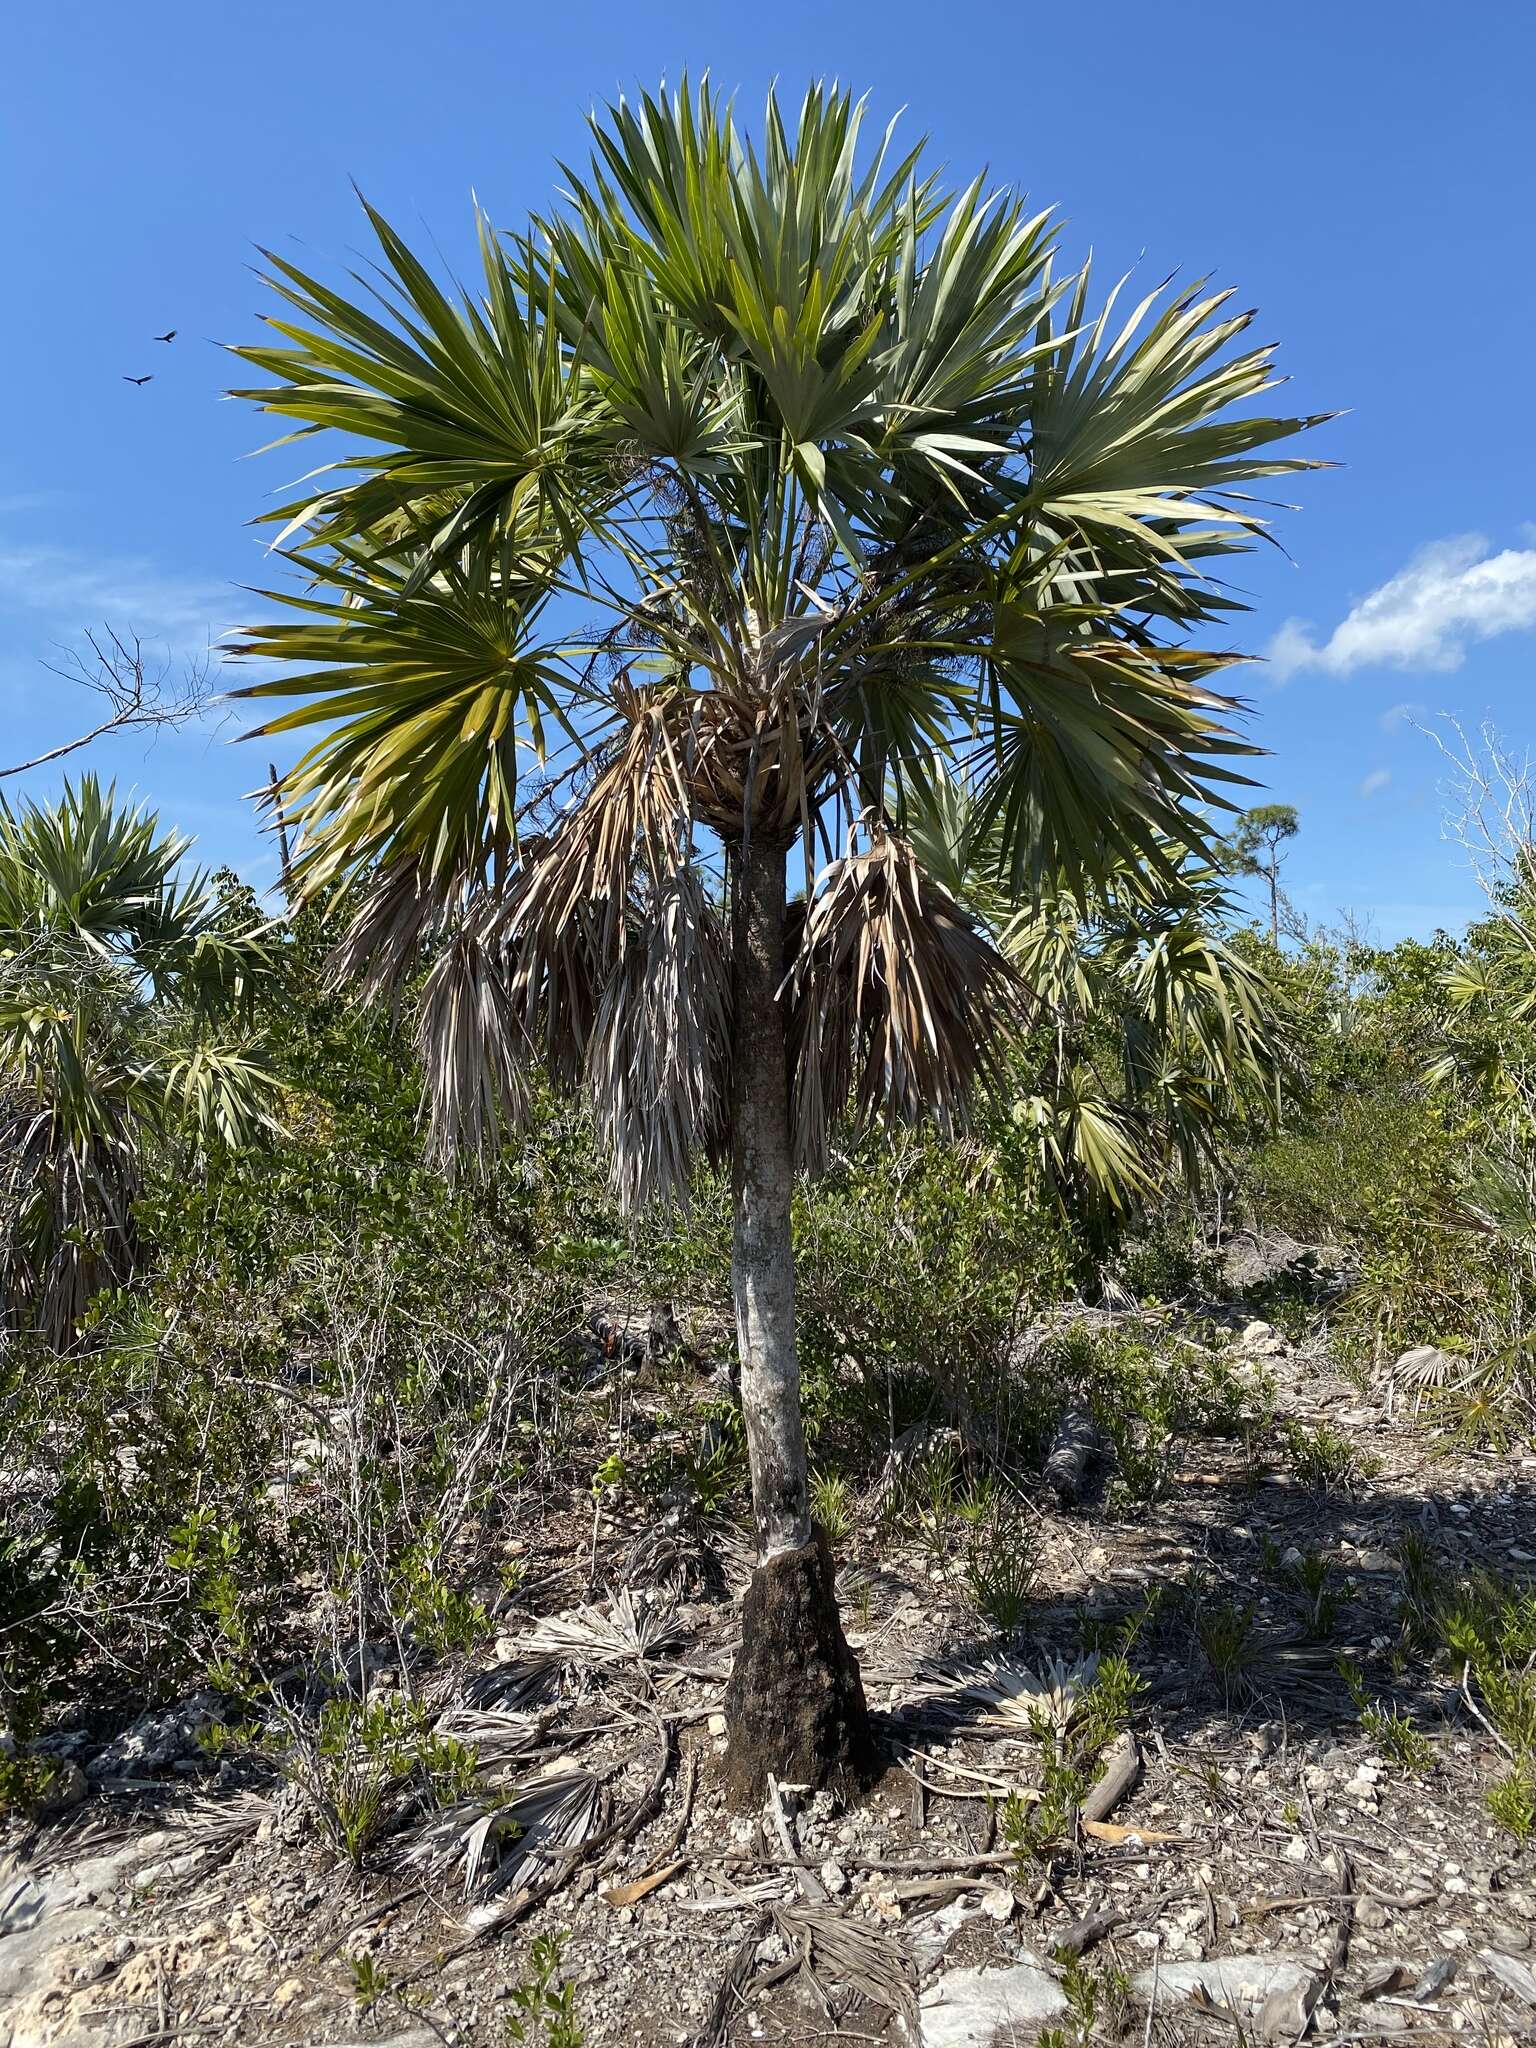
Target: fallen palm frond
x,y
496,1736
685,1554
531,1826
513,1684
631,1631
835,1946
901,1006
1010,1695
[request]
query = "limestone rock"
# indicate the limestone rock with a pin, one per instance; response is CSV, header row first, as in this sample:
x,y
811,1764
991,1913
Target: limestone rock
x,y
980,2008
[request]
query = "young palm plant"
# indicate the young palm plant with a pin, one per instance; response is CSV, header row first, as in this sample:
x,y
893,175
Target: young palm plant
x,y
746,485
124,998
1153,1037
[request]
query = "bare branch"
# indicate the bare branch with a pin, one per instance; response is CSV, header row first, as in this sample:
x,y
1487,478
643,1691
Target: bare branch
x,y
1490,796
118,672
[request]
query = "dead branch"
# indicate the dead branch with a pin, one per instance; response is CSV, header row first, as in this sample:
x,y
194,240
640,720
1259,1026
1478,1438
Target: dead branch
x,y
118,671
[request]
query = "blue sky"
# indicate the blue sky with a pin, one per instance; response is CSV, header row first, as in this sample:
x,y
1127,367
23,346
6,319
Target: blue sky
x,y
1362,173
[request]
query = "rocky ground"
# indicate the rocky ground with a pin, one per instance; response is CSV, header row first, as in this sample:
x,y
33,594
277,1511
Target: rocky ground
x,y
1268,1869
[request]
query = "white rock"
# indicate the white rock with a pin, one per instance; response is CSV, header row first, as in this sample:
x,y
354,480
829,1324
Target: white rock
x,y
834,1877
977,2008
998,1903
931,1933
1229,1980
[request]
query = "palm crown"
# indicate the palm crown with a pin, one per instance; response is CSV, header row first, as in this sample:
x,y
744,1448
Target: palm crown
x,y
125,998
825,473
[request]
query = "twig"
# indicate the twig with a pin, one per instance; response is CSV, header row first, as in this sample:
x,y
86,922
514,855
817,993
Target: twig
x,y
813,1890
1157,1961
1121,1770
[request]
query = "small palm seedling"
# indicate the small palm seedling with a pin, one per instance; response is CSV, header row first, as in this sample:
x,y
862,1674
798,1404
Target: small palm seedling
x,y
1312,1574
1224,1632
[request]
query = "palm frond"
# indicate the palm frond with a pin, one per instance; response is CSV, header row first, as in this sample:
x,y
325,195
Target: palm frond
x,y
631,1631
474,1052
899,1007
496,1840
659,1060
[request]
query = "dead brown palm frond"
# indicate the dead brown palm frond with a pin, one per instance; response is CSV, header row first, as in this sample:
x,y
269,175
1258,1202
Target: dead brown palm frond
x,y
658,1065
569,907
493,1842
833,1947
472,1044
392,919
900,1006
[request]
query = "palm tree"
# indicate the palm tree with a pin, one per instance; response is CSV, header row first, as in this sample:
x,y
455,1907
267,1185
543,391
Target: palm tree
x,y
124,997
746,486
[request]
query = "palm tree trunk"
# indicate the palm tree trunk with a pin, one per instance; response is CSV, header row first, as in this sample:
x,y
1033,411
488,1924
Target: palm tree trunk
x,y
794,1705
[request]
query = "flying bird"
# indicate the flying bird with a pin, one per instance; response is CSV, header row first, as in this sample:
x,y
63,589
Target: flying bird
x,y
140,380
171,336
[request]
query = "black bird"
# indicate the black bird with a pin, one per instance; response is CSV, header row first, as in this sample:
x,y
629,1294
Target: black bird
x,y
140,380
164,337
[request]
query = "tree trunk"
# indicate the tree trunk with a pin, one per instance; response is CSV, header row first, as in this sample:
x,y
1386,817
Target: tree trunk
x,y
794,1706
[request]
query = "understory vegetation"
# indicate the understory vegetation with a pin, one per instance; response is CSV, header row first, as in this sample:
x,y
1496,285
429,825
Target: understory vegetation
x,y
308,1417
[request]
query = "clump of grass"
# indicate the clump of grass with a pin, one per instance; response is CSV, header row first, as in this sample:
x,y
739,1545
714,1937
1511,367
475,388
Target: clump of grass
x,y
832,1505
1325,1460
1225,1635
1312,1575
1002,1562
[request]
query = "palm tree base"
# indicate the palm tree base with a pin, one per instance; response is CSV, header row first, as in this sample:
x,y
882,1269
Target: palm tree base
x,y
794,1707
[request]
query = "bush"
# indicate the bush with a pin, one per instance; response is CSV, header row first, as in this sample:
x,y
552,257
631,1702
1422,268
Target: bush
x,y
916,1261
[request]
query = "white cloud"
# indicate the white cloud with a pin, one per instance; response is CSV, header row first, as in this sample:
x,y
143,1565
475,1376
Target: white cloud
x,y
75,591
1376,781
1451,592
